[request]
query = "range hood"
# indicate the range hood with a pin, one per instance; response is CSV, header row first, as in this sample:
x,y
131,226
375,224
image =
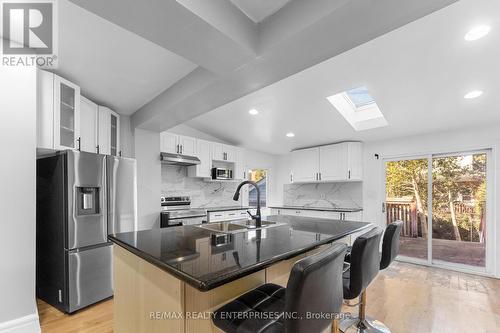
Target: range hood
x,y
178,159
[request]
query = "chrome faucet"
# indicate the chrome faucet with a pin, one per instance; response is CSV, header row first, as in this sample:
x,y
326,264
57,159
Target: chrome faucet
x,y
257,217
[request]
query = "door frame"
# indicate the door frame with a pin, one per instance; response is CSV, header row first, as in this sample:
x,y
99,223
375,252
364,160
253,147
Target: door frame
x,y
490,249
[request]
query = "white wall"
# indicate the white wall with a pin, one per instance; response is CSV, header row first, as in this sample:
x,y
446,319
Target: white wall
x,y
18,312
189,131
147,154
456,141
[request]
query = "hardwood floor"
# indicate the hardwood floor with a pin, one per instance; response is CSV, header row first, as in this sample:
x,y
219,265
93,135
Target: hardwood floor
x,y
95,319
406,297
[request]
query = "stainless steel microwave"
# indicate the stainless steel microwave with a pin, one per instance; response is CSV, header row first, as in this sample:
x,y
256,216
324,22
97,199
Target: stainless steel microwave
x,y
220,173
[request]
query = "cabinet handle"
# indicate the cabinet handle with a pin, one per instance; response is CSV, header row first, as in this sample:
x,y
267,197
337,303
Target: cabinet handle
x,y
349,174
97,148
79,140
320,176
120,153
177,149
182,147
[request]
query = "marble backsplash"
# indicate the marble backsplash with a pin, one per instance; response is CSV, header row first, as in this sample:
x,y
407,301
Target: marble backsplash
x,y
175,182
331,195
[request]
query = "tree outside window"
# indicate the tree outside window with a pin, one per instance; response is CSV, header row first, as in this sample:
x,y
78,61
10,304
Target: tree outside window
x,y
260,177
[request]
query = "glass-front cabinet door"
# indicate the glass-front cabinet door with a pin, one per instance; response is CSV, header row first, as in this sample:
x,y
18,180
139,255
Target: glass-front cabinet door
x,y
66,114
114,139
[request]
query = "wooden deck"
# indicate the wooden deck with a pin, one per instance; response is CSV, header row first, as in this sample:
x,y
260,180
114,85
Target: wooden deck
x,y
467,253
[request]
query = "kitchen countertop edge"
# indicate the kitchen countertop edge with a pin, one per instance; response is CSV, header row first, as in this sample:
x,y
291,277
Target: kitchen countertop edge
x,y
224,279
321,209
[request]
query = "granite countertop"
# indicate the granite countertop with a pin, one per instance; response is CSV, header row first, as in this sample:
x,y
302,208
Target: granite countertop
x,y
322,209
186,251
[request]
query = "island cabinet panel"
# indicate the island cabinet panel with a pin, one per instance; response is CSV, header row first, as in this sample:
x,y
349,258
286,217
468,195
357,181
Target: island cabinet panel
x,y
200,304
143,293
280,272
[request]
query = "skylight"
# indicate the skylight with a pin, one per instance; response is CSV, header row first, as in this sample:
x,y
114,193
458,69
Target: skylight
x,y
359,108
360,96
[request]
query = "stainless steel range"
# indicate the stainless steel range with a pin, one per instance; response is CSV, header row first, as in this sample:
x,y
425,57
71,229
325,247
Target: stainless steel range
x,y
176,211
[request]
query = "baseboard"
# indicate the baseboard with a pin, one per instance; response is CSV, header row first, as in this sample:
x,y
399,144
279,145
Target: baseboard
x,y
26,324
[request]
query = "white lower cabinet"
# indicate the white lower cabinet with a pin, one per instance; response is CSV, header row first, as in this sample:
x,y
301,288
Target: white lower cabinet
x,y
347,216
228,215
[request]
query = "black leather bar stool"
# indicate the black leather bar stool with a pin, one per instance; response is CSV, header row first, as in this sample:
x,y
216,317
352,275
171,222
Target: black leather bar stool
x,y
314,286
365,263
390,250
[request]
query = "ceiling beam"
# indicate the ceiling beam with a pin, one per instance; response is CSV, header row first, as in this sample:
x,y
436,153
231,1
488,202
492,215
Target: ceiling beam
x,y
220,49
236,57
345,25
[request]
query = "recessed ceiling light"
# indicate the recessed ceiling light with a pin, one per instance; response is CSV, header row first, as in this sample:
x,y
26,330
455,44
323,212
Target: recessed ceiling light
x,y
477,32
473,94
253,112
290,134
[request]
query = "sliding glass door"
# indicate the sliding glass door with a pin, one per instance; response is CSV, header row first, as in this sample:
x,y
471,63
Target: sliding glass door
x,y
459,209
406,200
451,230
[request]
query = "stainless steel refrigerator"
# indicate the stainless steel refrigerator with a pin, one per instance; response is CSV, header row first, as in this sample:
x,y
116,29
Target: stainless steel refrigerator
x,y
81,198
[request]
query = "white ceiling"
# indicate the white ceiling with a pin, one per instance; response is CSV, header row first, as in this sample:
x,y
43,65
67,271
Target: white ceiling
x,y
418,75
258,10
113,66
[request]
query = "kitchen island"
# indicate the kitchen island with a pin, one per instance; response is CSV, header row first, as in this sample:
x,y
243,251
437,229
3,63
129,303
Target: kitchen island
x,y
170,280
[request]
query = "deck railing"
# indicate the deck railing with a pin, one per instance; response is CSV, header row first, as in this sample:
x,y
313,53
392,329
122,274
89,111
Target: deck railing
x,y
406,211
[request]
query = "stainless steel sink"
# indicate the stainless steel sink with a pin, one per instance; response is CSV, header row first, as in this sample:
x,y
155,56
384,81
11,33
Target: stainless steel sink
x,y
236,226
224,227
251,224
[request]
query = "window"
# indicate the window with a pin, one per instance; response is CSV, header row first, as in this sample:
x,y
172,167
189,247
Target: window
x,y
260,177
360,96
358,108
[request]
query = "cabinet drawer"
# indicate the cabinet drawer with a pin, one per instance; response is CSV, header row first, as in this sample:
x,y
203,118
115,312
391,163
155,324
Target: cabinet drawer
x,y
216,216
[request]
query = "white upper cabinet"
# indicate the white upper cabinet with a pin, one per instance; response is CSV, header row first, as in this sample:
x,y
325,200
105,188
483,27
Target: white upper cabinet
x,y
109,132
66,120
337,162
66,114
355,160
222,152
177,144
58,112
201,170
239,165
187,145
89,113
305,165
169,143
207,152
217,151
333,162
231,152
